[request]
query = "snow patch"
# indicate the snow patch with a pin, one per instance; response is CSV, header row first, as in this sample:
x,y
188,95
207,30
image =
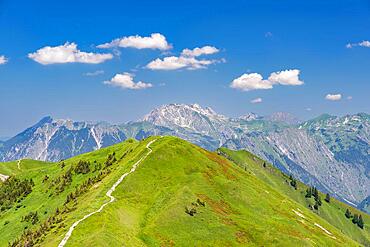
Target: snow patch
x,y
299,214
326,231
350,202
98,142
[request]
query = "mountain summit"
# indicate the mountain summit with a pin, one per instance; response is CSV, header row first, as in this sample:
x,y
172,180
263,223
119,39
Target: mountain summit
x,y
193,117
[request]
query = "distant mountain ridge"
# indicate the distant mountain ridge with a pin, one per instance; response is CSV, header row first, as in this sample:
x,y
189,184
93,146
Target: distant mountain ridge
x,y
329,152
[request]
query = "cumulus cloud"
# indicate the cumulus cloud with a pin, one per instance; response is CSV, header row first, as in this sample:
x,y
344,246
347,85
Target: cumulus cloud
x,y
187,60
196,52
256,101
333,97
252,81
94,73
364,43
255,81
3,59
126,81
268,34
173,63
286,77
155,41
67,53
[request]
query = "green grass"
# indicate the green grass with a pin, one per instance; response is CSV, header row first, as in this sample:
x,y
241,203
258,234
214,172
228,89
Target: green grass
x,y
252,207
332,212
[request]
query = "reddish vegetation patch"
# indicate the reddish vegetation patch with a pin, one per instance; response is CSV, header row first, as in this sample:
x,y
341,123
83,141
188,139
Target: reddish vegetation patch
x,y
164,241
168,243
241,237
228,221
226,166
219,207
209,173
292,232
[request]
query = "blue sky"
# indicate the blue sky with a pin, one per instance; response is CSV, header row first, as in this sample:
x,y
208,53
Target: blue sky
x,y
304,44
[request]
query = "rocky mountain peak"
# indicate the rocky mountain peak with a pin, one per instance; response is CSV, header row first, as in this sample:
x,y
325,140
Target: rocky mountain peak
x,y
180,114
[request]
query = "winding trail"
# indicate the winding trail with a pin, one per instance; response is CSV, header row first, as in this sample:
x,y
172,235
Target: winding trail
x,y
3,177
109,194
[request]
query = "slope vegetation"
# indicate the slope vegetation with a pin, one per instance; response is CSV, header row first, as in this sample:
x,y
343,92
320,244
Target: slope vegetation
x,y
179,194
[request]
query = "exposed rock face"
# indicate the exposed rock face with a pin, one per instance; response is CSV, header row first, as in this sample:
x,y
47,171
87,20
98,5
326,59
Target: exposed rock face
x,y
330,152
59,139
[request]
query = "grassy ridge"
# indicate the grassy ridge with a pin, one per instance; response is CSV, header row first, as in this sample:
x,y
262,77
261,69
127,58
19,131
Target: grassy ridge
x,y
241,207
333,212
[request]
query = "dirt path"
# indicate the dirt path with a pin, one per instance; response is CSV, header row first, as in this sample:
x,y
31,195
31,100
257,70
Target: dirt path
x,y
19,164
109,194
3,177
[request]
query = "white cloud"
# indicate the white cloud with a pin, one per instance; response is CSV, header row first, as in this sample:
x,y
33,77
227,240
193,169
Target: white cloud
x,y
308,109
196,52
364,43
167,63
256,101
187,60
254,81
268,34
3,59
95,73
126,81
67,53
286,77
155,41
333,97
349,97
173,63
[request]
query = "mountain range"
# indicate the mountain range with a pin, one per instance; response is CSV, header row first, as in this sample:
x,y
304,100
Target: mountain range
x,y
329,152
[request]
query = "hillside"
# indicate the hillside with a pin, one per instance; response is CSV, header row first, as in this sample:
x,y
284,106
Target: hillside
x,y
179,194
333,212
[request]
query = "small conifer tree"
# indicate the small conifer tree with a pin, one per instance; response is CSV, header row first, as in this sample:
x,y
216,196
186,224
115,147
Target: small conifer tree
x,y
308,193
318,200
360,222
355,219
348,213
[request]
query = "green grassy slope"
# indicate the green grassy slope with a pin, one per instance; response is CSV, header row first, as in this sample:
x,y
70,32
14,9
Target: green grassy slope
x,y
41,201
241,207
332,212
